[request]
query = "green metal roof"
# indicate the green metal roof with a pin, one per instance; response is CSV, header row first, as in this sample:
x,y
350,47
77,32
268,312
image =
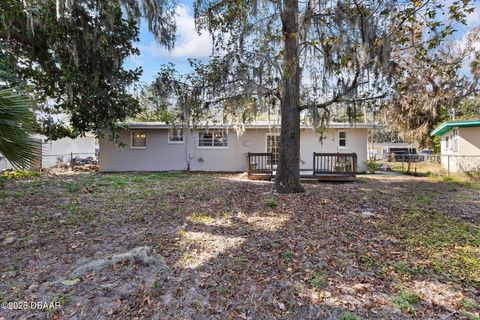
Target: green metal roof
x,y
447,126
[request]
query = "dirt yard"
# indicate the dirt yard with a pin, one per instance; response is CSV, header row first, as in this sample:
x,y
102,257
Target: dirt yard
x,y
197,246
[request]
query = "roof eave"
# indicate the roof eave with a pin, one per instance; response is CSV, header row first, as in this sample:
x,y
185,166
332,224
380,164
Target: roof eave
x,y
152,125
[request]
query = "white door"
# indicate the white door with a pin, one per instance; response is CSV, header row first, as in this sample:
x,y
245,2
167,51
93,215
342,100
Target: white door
x,y
273,145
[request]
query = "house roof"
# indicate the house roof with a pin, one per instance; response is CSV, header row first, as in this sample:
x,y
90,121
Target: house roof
x,y
255,125
449,125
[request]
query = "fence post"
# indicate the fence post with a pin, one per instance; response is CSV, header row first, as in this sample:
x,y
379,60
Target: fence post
x,y
354,163
408,170
71,160
402,161
448,165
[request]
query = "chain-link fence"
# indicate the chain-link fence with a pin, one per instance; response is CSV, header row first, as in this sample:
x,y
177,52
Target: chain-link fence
x,y
71,160
434,164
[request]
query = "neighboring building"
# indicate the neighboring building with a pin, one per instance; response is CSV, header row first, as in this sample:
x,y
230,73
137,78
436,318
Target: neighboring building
x,y
380,151
460,145
154,146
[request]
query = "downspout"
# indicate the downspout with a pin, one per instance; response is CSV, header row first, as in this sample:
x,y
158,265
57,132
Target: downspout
x,y
187,157
186,132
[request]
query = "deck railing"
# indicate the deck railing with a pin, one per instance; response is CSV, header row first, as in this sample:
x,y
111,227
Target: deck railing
x,y
334,163
260,163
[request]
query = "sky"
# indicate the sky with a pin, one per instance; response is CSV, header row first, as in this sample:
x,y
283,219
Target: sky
x,y
190,44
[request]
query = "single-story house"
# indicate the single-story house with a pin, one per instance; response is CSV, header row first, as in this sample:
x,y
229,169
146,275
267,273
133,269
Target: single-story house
x,y
460,145
155,146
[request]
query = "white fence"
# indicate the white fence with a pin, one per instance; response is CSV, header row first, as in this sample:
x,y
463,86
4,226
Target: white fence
x,y
58,160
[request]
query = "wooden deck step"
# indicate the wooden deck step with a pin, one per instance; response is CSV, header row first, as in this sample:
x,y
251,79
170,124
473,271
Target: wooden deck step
x,y
308,178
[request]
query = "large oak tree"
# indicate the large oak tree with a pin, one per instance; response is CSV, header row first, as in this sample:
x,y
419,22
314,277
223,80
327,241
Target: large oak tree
x,y
315,54
71,55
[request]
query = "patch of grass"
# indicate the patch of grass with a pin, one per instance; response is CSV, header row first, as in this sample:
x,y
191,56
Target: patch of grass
x,y
406,300
60,300
451,245
460,180
348,316
426,199
16,194
288,256
272,203
223,290
74,186
199,217
241,258
470,315
156,284
368,262
187,187
181,233
196,304
88,183
317,281
19,174
77,215
468,304
406,269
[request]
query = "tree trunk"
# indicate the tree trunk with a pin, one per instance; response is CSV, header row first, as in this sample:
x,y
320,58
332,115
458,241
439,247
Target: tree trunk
x,y
287,179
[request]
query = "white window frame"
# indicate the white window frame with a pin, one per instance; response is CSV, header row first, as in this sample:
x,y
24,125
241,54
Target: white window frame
x,y
346,140
224,131
131,139
175,141
277,134
455,139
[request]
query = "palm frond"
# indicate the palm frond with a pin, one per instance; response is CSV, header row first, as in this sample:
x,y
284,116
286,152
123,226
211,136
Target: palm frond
x,y
16,122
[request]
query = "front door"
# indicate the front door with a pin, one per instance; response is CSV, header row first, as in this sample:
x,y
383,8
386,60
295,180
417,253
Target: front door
x,y
273,145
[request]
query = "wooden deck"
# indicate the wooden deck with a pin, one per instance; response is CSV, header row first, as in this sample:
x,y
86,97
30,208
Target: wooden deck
x,y
326,167
307,177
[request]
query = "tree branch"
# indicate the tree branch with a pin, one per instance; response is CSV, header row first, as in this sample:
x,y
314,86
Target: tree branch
x,y
338,96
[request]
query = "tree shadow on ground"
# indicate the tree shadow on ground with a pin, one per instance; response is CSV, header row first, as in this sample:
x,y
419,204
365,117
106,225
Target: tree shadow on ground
x,y
315,255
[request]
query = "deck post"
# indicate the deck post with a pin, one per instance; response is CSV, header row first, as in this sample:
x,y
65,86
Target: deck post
x,y
354,169
314,164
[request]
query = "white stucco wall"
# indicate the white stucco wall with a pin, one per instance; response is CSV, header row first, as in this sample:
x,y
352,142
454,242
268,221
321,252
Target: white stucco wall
x,y
357,140
467,154
159,155
469,142
231,158
469,149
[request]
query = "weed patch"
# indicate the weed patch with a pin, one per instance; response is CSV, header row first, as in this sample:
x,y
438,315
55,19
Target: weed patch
x,y
451,245
406,300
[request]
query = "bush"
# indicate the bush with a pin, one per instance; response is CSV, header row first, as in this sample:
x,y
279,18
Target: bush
x,y
272,203
372,166
474,174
